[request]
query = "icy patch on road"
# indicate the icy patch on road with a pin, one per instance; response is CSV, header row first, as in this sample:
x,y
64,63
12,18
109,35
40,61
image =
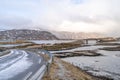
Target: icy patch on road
x,y
8,60
15,68
10,54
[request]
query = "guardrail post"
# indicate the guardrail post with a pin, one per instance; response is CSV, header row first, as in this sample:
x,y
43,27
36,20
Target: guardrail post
x,y
48,68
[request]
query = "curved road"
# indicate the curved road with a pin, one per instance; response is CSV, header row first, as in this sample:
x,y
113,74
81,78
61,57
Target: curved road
x,y
21,65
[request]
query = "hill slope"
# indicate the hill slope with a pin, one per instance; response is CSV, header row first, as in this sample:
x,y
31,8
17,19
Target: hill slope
x,y
77,35
24,34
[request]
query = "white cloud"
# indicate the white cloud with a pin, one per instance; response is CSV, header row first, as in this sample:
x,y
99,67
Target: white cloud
x,y
68,15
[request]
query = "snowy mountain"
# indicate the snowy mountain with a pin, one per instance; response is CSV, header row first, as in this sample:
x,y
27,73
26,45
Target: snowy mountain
x,y
76,35
24,34
40,34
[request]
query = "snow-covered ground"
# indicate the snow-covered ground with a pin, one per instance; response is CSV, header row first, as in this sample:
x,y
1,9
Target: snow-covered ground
x,y
82,48
107,65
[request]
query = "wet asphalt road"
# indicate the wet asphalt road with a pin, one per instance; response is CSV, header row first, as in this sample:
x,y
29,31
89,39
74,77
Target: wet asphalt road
x,y
20,65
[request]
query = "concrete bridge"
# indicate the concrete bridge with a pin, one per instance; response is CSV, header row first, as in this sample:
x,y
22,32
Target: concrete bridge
x,y
95,40
91,41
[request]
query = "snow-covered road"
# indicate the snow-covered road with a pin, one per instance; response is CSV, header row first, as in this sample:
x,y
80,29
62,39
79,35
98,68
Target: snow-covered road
x,y
20,65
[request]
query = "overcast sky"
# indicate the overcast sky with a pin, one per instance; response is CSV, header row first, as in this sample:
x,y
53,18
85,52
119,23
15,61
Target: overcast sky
x,y
62,15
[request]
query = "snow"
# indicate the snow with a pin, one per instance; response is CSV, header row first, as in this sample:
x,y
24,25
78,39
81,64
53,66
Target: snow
x,y
107,65
10,71
11,52
82,48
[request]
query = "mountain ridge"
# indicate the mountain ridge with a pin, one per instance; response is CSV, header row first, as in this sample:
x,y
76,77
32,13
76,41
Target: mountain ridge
x,y
29,34
77,35
25,34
